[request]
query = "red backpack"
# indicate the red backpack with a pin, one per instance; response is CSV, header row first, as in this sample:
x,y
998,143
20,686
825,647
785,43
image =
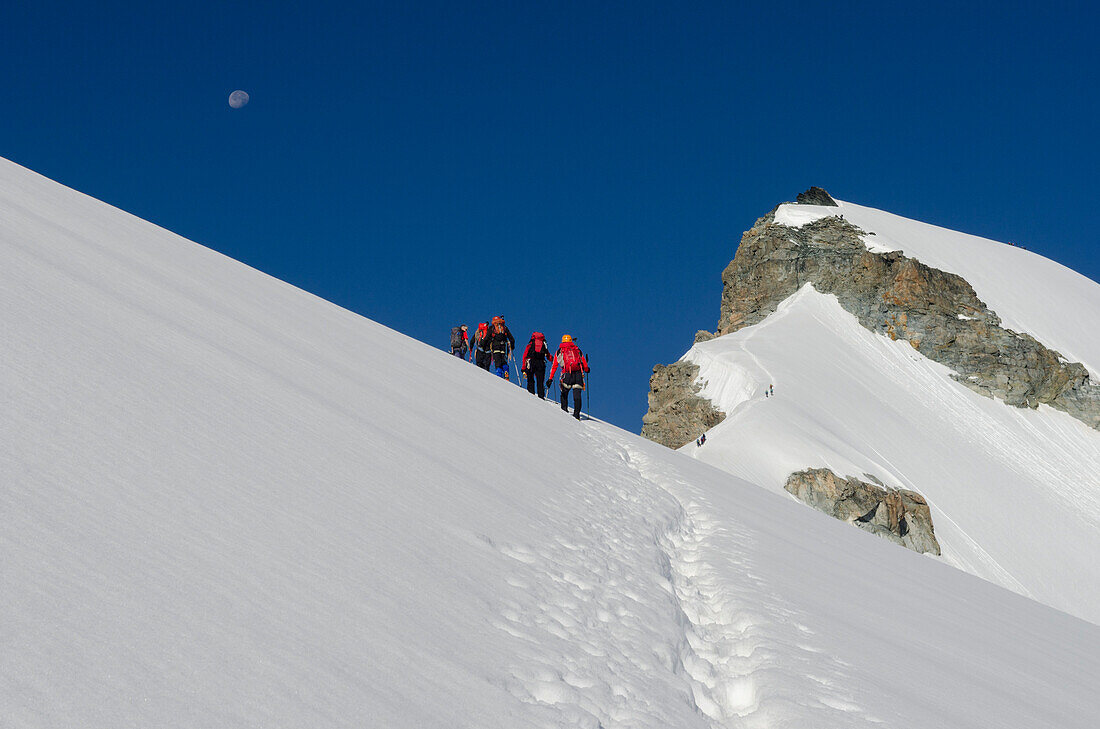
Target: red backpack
x,y
571,360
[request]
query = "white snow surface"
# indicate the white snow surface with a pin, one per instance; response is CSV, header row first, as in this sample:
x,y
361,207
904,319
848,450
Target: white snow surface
x,y
225,502
1014,493
795,215
1030,293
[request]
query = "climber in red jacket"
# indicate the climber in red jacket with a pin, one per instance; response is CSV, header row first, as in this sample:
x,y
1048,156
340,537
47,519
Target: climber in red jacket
x,y
533,364
573,366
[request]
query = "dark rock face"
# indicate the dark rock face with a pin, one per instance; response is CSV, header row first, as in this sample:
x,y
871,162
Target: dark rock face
x,y
677,415
899,515
938,313
815,196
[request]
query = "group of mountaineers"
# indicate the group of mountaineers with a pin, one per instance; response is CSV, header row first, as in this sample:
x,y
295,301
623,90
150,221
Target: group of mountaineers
x,y
491,349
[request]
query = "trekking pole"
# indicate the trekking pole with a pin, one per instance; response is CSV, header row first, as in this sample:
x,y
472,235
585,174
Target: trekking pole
x,y
587,392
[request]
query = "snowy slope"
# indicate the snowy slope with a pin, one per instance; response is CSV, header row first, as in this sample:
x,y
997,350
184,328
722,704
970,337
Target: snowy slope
x,y
1015,494
228,503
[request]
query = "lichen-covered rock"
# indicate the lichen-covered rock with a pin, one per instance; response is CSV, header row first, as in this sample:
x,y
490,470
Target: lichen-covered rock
x,y
677,415
899,515
937,312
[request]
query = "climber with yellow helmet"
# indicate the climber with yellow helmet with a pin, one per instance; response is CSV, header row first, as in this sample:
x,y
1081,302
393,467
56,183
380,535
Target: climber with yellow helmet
x,y
573,365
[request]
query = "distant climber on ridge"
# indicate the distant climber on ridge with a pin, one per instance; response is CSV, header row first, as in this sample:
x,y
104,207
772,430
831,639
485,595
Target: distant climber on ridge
x,y
573,366
533,364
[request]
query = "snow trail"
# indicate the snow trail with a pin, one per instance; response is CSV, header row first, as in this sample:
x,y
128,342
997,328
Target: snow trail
x,y
742,644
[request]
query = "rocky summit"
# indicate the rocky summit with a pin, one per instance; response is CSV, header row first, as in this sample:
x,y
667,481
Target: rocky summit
x,y
936,312
815,196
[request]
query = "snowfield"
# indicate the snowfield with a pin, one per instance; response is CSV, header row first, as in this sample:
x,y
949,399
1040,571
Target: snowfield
x,y
225,502
1014,493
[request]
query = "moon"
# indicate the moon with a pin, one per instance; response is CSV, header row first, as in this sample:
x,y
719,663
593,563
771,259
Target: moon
x,y
238,98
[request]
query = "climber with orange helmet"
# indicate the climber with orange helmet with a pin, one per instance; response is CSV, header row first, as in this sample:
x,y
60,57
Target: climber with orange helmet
x,y
501,344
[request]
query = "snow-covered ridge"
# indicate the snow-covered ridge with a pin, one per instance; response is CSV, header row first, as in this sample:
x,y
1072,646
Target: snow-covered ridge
x,y
794,215
229,503
1014,493
1028,292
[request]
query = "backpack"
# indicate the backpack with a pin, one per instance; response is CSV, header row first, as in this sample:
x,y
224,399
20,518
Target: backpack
x,y
571,359
498,340
456,338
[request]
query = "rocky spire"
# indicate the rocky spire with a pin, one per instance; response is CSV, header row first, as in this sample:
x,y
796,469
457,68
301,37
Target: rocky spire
x,y
815,196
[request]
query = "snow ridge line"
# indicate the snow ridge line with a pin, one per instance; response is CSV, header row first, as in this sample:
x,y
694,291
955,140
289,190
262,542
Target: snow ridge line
x,y
753,382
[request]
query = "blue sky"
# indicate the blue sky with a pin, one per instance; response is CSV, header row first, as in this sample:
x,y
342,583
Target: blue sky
x,y
579,167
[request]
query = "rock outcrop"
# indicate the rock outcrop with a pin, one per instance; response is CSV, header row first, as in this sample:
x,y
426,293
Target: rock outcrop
x,y
897,514
936,312
815,196
677,415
